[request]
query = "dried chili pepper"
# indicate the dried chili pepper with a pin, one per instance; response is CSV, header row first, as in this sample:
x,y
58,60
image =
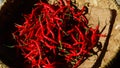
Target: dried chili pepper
x,y
53,31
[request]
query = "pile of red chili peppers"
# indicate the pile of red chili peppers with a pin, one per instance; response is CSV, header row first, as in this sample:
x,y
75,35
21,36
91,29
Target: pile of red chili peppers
x,y
54,31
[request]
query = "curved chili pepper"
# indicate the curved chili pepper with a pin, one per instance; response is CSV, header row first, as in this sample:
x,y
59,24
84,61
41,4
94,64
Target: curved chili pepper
x,y
54,31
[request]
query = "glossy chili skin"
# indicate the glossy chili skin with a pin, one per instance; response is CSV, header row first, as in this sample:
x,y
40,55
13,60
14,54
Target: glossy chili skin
x,y
53,31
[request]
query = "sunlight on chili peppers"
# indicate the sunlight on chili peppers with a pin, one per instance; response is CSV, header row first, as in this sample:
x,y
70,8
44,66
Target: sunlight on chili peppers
x,y
53,32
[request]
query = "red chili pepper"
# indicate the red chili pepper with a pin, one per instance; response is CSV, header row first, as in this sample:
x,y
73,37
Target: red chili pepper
x,y
73,53
74,39
59,35
80,12
77,64
59,10
94,36
29,54
49,65
54,31
70,31
49,39
48,7
67,45
80,33
50,29
77,43
49,46
84,18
